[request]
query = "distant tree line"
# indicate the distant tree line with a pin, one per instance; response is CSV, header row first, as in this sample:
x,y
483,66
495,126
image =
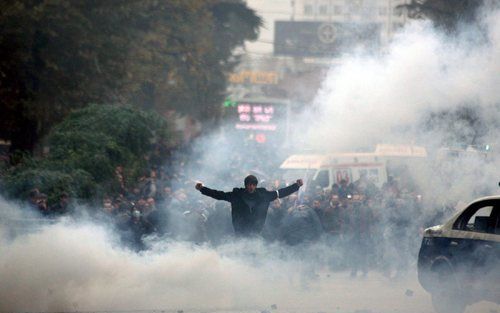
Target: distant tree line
x,y
86,79
61,55
86,151
447,15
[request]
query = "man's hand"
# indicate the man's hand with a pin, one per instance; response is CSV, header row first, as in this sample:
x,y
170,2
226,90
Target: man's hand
x,y
198,186
300,182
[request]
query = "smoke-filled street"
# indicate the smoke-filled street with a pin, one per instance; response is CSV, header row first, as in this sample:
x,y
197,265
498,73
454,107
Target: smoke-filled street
x,y
79,269
298,156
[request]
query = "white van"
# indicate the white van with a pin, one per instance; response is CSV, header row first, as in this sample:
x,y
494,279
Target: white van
x,y
327,169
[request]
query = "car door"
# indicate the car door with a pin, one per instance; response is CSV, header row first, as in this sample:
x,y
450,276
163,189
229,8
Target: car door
x,y
494,263
475,247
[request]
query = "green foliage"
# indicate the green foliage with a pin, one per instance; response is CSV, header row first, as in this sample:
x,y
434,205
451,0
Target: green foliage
x,y
85,150
77,183
59,55
445,14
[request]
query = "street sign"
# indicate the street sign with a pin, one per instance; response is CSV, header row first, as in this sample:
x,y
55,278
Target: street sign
x,y
254,77
319,39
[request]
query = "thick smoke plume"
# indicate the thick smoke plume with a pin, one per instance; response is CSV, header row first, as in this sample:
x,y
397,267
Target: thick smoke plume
x,y
67,267
80,266
368,100
76,267
390,98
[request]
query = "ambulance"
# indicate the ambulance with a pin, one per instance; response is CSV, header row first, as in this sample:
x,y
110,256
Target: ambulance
x,y
327,169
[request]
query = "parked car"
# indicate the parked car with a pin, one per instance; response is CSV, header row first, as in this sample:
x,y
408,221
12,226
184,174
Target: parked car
x,y
459,261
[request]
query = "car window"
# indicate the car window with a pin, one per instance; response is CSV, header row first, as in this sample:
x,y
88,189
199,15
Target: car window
x,y
322,179
342,174
479,221
479,217
371,174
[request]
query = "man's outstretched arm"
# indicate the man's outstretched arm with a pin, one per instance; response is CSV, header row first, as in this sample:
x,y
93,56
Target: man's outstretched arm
x,y
285,192
216,194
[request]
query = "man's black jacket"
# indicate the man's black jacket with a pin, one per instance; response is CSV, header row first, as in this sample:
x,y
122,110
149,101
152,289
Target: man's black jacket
x,y
249,210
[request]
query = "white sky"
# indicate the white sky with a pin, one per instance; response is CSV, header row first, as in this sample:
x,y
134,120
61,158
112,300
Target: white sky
x,y
269,11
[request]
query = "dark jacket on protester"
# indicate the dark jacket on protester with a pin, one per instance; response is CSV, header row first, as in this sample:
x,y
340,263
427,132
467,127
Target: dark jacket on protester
x,y
249,210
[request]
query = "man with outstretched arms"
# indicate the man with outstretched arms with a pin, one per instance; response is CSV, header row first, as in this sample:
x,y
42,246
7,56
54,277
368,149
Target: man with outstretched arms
x,y
249,205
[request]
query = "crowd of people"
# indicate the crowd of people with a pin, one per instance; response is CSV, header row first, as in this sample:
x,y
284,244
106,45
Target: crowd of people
x,y
369,227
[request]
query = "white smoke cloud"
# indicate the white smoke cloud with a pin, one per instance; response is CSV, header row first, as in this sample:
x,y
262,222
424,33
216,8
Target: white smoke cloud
x,y
369,99
70,266
67,267
386,98
75,267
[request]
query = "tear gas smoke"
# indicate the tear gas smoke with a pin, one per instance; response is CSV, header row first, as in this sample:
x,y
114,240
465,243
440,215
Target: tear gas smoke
x,y
387,99
368,100
79,266
68,267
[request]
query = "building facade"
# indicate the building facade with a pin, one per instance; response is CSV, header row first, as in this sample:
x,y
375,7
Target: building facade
x,y
314,36
382,12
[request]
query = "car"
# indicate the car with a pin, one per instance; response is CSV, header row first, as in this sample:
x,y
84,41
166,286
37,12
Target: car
x,y
459,261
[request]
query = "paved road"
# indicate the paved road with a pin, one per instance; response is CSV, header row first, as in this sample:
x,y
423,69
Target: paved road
x,y
338,293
